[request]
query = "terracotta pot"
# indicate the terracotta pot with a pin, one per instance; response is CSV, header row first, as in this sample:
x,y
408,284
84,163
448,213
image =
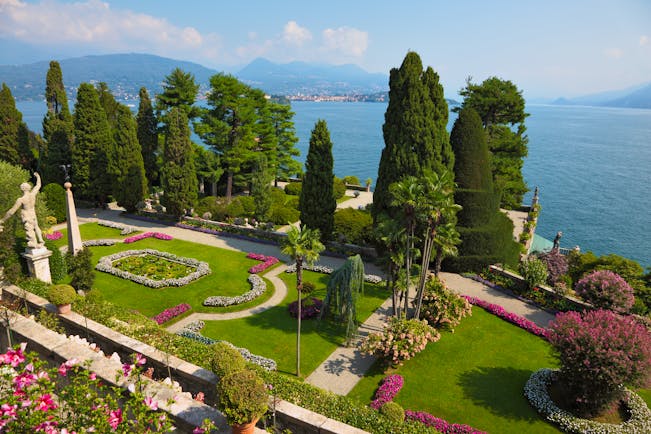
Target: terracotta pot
x,y
63,308
247,428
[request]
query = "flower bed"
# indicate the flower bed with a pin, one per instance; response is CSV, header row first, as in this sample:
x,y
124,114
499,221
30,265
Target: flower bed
x,y
171,312
308,311
508,316
157,235
370,278
388,390
105,264
258,287
124,229
56,235
104,242
536,392
267,261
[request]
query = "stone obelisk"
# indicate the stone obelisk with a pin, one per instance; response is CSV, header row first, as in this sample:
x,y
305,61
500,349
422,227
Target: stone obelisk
x,y
74,237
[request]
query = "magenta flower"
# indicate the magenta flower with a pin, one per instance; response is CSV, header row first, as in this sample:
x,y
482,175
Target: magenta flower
x,y
140,359
142,236
65,366
54,236
151,403
13,357
24,380
115,418
198,430
45,403
171,312
497,310
92,376
389,388
48,427
8,410
127,368
267,261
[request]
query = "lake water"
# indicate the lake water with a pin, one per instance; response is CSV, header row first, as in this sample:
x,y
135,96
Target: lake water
x,y
592,165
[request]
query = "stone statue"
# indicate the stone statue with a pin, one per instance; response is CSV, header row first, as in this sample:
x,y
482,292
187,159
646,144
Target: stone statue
x,y
557,241
28,213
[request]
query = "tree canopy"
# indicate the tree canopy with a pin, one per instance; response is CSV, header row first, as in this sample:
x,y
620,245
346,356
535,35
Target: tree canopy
x,y
179,90
147,130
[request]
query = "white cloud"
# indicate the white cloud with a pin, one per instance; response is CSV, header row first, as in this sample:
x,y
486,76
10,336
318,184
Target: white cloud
x,y
95,25
644,40
346,40
614,53
295,34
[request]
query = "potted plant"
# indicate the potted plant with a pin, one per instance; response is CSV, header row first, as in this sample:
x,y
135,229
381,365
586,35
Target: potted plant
x,y
62,295
243,399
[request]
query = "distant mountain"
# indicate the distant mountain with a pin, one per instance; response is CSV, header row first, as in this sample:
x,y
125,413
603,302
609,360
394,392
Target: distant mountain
x,y
311,79
632,97
124,74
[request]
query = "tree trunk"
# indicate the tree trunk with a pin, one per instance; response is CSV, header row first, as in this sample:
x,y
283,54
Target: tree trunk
x,y
438,261
299,287
229,187
427,254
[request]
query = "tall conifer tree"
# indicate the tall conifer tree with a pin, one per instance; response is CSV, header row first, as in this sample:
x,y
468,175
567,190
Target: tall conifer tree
x,y
179,90
286,166
10,126
57,128
415,138
148,136
317,202
130,183
178,177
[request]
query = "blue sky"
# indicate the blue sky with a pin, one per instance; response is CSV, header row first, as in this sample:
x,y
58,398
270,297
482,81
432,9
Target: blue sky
x,y
548,48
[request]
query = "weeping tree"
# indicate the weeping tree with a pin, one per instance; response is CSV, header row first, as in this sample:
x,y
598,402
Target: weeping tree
x,y
344,287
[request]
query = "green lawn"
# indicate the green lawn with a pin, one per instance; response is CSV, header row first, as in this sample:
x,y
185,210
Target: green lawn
x,y
93,231
229,277
473,376
273,333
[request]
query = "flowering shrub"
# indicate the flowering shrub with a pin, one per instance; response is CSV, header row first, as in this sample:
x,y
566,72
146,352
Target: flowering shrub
x,y
599,351
124,229
607,290
534,272
401,340
370,278
536,392
105,242
171,312
267,261
440,424
556,265
310,308
389,388
258,287
28,387
105,264
442,308
54,236
508,316
157,235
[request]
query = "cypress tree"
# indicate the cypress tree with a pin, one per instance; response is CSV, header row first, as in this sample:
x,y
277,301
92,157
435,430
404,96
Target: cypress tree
x,y
317,202
93,147
178,177
130,183
286,165
148,136
415,138
486,233
10,124
261,188
57,128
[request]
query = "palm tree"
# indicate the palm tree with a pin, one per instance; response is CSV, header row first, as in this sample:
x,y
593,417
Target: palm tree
x,y
302,245
446,240
391,237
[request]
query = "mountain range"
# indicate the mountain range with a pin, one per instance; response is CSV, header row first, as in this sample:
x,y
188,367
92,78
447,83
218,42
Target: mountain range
x,y
126,73
632,97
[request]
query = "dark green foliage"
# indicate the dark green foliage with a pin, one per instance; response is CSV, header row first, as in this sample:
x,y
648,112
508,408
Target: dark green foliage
x,y
109,104
9,259
81,270
282,215
10,122
178,177
58,267
501,106
55,198
61,294
293,188
317,199
180,91
93,147
415,135
147,131
353,226
208,168
281,118
261,189
129,182
216,206
472,159
478,206
338,188
352,180
225,359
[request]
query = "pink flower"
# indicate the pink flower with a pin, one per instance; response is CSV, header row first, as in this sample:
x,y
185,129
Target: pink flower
x,y
13,357
198,430
65,366
199,397
8,410
24,380
140,359
115,418
49,427
45,403
92,376
151,403
126,369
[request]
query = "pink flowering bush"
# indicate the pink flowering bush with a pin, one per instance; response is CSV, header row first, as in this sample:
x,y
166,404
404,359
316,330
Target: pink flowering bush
x,y
53,236
157,235
267,261
606,290
556,263
401,340
171,312
600,352
508,316
389,388
440,424
442,308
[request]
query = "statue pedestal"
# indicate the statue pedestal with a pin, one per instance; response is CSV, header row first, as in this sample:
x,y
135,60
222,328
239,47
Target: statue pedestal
x,y
38,263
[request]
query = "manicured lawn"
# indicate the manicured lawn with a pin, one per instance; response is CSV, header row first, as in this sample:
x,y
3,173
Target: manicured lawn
x,y
93,231
473,376
273,333
229,277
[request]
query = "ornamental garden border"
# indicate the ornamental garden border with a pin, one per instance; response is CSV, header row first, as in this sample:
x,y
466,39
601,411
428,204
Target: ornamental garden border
x,y
258,287
105,264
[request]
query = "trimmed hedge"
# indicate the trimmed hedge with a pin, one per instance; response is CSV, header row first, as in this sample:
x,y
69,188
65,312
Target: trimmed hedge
x,y
293,188
353,226
478,206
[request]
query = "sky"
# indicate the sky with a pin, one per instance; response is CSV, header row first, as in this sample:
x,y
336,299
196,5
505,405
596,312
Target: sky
x,y
547,48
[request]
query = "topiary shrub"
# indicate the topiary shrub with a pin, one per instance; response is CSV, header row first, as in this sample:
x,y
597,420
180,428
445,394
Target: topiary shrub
x,y
81,269
351,179
293,188
58,267
599,352
61,294
534,272
556,265
607,290
353,226
281,215
243,397
339,188
393,411
225,359
55,198
442,308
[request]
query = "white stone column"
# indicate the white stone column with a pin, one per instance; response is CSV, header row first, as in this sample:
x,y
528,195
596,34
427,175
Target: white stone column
x,y
74,237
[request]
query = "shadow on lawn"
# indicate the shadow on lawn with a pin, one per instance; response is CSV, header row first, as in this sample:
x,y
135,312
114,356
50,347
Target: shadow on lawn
x,y
495,389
